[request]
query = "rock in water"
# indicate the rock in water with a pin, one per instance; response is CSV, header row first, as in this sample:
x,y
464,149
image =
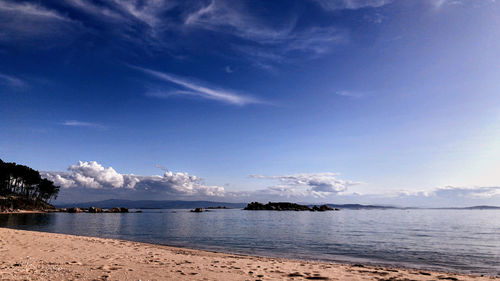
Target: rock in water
x,y
95,210
74,210
117,210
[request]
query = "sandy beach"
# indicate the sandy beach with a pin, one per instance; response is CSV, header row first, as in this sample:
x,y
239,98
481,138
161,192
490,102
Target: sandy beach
x,y
28,255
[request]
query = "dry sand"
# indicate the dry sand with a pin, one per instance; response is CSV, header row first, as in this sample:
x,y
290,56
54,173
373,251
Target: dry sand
x,y
28,255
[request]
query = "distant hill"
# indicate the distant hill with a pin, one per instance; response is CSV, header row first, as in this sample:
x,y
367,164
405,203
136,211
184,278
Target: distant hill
x,y
483,207
152,204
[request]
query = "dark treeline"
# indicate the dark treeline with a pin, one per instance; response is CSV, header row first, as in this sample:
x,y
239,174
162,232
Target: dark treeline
x,y
21,180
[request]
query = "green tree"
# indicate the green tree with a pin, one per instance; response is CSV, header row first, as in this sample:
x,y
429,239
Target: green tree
x,y
24,181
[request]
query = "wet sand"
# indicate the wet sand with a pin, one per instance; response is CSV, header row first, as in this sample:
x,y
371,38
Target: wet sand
x,y
29,255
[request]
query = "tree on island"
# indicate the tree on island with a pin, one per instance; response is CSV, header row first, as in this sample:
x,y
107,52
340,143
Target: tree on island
x,y
24,181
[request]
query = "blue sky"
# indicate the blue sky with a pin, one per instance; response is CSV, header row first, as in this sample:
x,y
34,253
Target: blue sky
x,y
349,101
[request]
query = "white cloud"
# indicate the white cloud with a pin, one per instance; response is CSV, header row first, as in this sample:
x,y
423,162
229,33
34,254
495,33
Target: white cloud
x,y
126,15
318,40
448,196
75,123
23,21
447,192
222,16
315,184
195,88
437,4
92,175
265,41
351,4
64,182
103,12
352,94
467,192
297,46
179,183
89,180
32,10
145,11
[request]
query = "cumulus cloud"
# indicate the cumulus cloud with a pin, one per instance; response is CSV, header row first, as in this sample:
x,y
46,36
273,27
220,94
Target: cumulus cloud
x,y
194,88
87,181
315,184
92,175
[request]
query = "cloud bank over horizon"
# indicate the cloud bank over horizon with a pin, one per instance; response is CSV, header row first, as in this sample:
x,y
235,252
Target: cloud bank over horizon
x,y
92,178
90,181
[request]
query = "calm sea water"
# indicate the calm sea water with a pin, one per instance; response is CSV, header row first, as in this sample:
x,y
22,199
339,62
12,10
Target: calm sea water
x,y
450,240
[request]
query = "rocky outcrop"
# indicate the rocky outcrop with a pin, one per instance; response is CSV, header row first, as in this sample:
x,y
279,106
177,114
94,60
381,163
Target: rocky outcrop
x,y
197,210
95,210
117,210
285,206
322,208
74,210
276,206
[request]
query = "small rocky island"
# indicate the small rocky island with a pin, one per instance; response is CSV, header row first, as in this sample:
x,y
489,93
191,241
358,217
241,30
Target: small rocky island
x,y
286,206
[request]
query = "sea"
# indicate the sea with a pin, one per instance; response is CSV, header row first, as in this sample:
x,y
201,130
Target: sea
x,y
461,241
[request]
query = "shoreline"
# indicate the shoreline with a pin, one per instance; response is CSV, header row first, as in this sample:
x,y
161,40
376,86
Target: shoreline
x,y
24,212
48,256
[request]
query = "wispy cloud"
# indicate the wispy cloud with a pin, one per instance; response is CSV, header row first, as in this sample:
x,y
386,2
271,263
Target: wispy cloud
x,y
103,12
27,21
351,94
298,46
195,88
12,81
150,25
351,4
75,123
266,43
136,21
438,4
33,10
223,16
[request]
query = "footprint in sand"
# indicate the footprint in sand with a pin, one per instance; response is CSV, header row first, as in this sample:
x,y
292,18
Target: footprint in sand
x,y
108,268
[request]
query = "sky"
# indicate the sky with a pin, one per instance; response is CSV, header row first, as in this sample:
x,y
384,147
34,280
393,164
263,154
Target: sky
x,y
338,101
